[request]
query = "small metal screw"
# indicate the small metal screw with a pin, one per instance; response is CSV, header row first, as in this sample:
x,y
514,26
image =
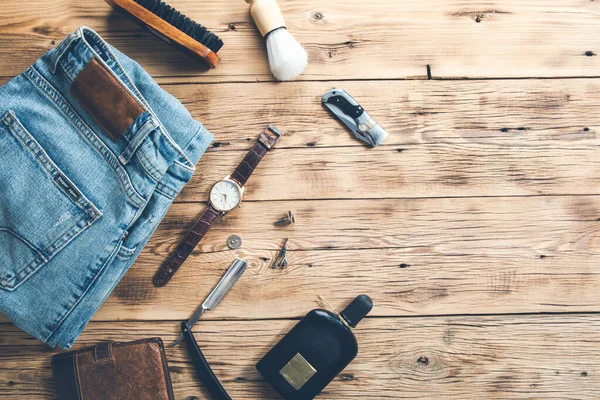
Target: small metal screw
x,y
287,220
234,242
280,260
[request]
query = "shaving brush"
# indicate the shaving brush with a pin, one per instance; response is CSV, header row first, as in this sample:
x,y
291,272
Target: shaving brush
x,y
287,57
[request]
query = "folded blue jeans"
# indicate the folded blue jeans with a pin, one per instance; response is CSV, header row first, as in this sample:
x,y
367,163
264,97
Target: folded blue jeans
x,y
92,154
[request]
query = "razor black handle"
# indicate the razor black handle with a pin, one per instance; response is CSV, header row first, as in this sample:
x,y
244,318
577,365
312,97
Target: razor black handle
x,y
203,369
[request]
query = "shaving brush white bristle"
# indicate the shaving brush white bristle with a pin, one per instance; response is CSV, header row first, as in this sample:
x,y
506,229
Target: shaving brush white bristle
x,y
287,57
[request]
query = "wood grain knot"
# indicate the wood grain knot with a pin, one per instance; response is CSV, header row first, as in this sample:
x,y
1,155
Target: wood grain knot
x,y
423,360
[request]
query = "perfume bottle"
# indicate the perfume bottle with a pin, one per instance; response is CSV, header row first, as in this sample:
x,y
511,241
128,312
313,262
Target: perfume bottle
x,y
314,352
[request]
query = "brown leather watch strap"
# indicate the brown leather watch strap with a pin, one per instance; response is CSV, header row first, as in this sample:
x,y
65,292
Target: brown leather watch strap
x,y
185,247
266,140
263,144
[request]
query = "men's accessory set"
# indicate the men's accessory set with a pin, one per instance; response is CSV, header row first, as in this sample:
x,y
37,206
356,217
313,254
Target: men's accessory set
x,y
92,154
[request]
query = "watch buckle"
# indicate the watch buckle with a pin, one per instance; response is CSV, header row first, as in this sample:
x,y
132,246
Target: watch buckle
x,y
273,129
267,140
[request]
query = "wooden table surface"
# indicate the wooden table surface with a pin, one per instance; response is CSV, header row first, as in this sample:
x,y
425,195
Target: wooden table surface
x,y
475,228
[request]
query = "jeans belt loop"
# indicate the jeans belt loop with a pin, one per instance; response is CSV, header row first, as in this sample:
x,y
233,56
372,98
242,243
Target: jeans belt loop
x,y
62,48
149,126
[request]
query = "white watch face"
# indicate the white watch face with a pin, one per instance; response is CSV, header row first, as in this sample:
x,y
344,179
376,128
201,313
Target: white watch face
x,y
225,195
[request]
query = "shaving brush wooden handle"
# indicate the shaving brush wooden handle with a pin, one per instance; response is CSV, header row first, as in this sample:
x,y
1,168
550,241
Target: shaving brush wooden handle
x,y
266,15
287,57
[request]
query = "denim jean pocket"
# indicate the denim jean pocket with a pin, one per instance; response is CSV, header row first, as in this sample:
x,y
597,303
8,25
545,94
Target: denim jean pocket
x,y
41,209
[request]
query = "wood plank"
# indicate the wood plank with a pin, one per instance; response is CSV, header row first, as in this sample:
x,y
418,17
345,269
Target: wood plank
x,y
413,257
415,171
451,358
457,39
468,138
505,114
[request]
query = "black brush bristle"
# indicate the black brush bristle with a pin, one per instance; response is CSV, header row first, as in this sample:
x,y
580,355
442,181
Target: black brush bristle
x,y
183,23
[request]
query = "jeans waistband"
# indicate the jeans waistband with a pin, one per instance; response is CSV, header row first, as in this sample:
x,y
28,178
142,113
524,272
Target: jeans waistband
x,y
147,138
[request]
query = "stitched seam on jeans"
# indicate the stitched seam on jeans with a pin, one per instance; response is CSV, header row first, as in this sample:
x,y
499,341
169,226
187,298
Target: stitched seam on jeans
x,y
138,139
62,49
50,250
67,68
125,253
182,165
130,86
43,159
206,137
91,283
133,88
162,189
200,139
25,241
53,95
100,42
174,144
36,262
54,248
148,166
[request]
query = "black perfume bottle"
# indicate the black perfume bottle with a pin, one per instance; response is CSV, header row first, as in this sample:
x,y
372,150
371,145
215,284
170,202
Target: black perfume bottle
x,y
314,352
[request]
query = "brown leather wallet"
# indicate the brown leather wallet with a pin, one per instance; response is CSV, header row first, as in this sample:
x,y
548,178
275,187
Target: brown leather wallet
x,y
114,371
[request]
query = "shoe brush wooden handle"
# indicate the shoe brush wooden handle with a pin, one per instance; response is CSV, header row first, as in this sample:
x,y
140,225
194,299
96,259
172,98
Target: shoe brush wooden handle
x,y
266,15
167,32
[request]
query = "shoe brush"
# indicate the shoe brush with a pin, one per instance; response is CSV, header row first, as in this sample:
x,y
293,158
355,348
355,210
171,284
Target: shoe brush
x,y
173,27
287,57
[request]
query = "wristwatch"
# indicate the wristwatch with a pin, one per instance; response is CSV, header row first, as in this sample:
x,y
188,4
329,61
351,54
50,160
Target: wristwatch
x,y
225,195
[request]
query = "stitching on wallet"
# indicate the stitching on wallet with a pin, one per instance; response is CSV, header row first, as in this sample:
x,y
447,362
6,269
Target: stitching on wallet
x,y
103,360
77,381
